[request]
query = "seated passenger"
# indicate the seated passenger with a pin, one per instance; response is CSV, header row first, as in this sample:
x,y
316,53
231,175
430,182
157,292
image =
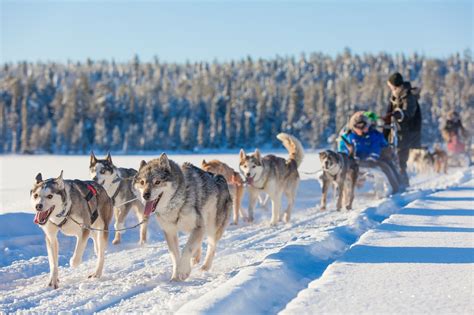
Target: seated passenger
x,y
366,144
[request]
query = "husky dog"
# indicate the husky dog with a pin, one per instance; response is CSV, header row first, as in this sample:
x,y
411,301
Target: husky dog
x,y
440,160
420,160
118,184
69,205
185,199
274,176
340,170
234,181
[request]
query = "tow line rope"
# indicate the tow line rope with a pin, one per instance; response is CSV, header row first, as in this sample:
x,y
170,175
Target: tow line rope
x,y
85,226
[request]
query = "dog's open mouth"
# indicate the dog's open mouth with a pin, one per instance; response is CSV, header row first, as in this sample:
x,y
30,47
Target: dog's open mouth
x,y
249,180
150,206
42,216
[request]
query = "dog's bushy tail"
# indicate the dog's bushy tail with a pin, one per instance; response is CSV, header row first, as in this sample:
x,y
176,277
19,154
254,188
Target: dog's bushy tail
x,y
294,147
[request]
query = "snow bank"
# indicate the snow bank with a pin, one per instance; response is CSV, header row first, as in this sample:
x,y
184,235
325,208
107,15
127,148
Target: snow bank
x,y
416,261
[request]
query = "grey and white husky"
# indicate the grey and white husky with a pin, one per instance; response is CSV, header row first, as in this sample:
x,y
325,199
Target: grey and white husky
x,y
68,205
118,184
274,176
341,171
185,199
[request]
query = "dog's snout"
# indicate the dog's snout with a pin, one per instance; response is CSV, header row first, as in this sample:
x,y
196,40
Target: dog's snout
x,y
95,179
248,174
146,195
39,207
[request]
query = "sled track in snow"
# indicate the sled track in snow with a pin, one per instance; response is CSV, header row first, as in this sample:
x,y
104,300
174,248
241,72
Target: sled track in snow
x,y
137,278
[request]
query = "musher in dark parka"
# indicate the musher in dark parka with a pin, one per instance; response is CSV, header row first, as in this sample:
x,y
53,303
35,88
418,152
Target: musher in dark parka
x,y
404,107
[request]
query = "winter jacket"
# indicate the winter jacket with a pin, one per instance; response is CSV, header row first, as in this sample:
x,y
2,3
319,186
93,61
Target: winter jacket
x,y
409,132
366,146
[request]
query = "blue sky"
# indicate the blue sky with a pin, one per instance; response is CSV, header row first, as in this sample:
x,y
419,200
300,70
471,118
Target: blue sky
x,y
206,30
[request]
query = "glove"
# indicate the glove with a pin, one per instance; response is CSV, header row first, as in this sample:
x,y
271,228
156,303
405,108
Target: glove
x,y
398,114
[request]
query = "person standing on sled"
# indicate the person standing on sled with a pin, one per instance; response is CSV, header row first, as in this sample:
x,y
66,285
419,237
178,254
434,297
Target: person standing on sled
x,y
366,144
405,110
455,135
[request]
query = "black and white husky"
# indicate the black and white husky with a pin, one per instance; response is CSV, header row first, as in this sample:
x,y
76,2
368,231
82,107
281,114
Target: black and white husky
x,y
72,206
118,184
339,170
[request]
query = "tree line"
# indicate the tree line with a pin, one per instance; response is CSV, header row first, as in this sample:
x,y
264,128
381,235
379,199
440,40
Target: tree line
x,y
136,106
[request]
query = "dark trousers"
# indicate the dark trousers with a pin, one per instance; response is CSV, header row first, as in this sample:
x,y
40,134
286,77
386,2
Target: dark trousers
x,y
403,158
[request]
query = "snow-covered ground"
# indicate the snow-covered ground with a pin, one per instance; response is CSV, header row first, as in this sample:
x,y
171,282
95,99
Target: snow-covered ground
x,y
313,264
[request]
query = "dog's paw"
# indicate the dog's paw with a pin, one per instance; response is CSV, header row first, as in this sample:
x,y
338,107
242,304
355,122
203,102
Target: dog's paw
x,y
348,208
141,242
183,275
54,283
245,219
322,208
273,223
195,260
183,271
75,261
95,274
116,241
206,267
286,217
234,223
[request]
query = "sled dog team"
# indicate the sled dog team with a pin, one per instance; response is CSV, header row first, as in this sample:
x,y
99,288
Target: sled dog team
x,y
197,201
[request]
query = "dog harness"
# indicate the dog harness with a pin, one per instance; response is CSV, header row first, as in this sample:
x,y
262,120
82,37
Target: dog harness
x,y
92,192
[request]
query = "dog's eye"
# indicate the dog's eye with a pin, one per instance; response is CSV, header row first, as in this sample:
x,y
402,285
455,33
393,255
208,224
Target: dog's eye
x,y
142,182
35,196
49,196
102,171
157,182
254,166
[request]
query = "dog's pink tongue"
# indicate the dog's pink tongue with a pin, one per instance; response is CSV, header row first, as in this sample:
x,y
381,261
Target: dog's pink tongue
x,y
37,217
149,207
250,180
40,215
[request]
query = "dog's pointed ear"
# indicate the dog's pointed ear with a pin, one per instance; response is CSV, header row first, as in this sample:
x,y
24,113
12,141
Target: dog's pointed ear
x,y
93,159
258,156
203,163
59,181
109,158
242,154
39,178
142,164
164,161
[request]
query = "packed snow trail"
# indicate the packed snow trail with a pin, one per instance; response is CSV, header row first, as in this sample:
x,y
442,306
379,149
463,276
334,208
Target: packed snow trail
x,y
419,260
254,262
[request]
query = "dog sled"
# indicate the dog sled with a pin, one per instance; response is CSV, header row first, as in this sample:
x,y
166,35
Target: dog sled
x,y
377,178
